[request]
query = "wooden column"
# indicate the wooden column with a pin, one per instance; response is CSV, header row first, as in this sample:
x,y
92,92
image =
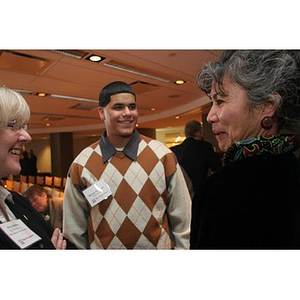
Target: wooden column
x,y
61,153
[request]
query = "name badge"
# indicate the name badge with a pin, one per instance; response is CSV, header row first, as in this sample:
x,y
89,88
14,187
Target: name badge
x,y
20,233
98,192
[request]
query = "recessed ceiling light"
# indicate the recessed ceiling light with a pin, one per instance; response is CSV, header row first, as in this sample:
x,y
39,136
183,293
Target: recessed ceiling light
x,y
177,117
95,58
179,81
152,108
41,94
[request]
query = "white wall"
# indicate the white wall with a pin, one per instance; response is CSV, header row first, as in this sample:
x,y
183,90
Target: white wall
x,y
41,149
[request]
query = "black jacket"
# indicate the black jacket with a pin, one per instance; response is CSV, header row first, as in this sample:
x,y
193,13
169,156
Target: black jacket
x,y
23,210
196,157
253,203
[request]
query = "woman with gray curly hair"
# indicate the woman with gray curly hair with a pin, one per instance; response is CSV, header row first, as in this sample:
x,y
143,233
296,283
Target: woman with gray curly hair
x,y
253,201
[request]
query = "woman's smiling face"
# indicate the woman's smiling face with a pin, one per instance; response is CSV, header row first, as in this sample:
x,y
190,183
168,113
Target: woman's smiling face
x,y
11,142
231,117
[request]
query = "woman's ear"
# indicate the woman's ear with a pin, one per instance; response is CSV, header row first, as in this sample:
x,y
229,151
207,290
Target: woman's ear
x,y
271,105
101,113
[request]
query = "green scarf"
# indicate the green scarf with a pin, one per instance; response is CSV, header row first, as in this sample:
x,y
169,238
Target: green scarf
x,y
271,145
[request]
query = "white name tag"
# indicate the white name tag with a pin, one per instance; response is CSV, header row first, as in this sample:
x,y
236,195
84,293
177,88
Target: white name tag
x,y
98,192
20,233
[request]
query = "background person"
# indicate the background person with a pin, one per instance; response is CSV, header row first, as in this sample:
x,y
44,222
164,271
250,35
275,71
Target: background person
x,y
14,116
25,163
149,206
51,208
252,202
32,163
195,155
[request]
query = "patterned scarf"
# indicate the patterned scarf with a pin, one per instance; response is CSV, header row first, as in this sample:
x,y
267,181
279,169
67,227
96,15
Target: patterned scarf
x,y
271,145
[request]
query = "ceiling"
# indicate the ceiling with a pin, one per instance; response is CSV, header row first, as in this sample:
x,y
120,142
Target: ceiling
x,y
72,84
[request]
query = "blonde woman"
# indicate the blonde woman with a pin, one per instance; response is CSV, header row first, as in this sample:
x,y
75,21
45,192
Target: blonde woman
x,y
21,227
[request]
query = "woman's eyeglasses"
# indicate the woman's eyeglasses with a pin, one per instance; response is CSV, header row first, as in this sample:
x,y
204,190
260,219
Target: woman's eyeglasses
x,y
16,126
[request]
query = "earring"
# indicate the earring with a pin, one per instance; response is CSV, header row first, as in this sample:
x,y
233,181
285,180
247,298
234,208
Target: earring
x,y
267,123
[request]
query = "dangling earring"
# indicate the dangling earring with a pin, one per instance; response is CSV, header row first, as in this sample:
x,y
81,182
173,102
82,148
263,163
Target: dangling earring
x,y
267,123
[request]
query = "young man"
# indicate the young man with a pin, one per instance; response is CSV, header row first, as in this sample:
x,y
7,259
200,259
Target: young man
x,y
126,191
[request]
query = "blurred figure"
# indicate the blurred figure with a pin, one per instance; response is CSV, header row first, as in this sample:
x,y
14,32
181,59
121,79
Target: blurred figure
x,y
25,163
50,208
32,163
195,155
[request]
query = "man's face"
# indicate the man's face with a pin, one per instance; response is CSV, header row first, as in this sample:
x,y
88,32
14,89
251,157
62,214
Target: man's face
x,y
120,117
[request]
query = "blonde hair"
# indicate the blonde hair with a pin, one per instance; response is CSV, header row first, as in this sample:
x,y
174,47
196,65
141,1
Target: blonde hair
x,y
12,107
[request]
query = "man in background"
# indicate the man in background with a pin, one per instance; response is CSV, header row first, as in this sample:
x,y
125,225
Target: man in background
x,y
32,163
195,155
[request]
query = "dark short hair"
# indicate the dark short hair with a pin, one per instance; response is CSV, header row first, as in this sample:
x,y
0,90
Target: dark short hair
x,y
192,127
113,88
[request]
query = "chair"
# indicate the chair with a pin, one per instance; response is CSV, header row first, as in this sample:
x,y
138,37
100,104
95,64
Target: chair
x,y
48,181
40,180
31,179
16,186
57,182
64,183
23,178
24,187
9,184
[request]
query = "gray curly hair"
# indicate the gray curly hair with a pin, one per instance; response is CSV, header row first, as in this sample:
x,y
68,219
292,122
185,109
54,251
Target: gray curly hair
x,y
263,74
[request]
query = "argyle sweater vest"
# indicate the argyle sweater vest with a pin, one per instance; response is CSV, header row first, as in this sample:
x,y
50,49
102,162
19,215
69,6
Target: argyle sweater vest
x,y
134,216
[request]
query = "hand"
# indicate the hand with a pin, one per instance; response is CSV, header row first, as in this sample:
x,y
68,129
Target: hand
x,y
57,239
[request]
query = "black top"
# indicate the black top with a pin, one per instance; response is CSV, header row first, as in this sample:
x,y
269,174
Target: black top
x,y
196,157
23,210
253,203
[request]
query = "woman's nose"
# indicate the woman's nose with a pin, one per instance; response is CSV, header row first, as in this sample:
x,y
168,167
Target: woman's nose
x,y
211,117
25,136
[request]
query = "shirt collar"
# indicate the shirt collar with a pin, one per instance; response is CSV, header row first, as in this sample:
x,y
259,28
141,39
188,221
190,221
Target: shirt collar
x,y
5,194
108,150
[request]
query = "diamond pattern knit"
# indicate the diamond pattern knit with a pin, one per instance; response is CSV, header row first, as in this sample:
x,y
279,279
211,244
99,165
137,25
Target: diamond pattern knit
x,y
134,217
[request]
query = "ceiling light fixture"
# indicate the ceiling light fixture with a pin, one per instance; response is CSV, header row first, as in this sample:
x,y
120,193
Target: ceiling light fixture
x,y
41,94
73,98
78,54
126,69
23,91
179,81
95,58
